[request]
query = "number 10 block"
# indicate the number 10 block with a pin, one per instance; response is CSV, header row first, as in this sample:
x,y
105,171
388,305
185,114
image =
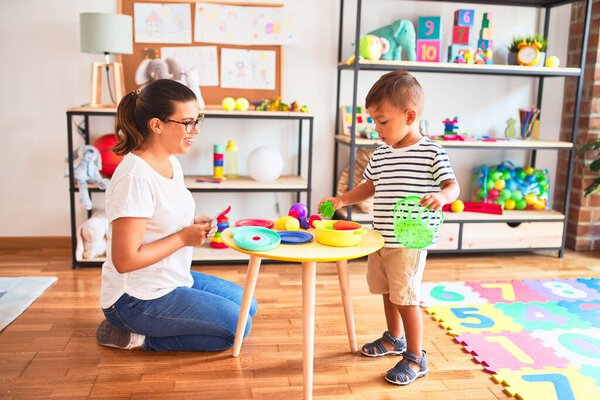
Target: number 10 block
x,y
428,50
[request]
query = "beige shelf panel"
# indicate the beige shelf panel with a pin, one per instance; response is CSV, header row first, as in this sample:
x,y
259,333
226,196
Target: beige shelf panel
x,y
210,110
244,182
517,144
525,215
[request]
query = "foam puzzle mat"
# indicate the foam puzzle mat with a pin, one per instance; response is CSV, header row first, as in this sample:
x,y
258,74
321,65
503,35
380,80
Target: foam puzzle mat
x,y
538,338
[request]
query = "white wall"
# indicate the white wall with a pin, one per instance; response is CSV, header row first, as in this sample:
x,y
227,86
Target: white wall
x,y
43,72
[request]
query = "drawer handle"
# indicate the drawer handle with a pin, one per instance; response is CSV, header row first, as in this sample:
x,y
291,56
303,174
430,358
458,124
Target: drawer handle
x,y
514,224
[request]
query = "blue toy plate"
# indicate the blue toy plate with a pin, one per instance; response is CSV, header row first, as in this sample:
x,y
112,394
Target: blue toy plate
x,y
295,237
256,238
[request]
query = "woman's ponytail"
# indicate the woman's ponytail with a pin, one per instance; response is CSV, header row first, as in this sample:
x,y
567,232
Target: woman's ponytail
x,y
130,136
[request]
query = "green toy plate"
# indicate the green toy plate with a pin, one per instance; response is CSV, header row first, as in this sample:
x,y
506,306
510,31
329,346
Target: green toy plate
x,y
256,238
415,226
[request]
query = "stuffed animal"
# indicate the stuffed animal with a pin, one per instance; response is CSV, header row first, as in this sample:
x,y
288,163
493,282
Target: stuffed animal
x,y
88,171
92,237
151,70
371,48
401,38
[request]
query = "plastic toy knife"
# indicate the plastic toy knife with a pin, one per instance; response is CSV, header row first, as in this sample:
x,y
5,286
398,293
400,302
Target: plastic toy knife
x,y
213,222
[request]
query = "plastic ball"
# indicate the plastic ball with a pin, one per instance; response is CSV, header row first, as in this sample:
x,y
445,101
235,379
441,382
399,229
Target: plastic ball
x,y
265,164
242,104
505,194
552,62
494,194
228,103
521,204
481,193
531,199
521,174
489,184
510,204
542,182
506,175
499,184
539,205
516,195
495,175
528,170
511,185
457,206
110,160
499,201
531,179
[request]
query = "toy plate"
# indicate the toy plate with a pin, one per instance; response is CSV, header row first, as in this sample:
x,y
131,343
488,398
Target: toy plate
x,y
265,223
295,237
256,239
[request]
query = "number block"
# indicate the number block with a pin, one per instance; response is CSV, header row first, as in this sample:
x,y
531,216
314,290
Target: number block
x,y
464,17
586,310
430,28
485,44
460,35
486,33
579,346
449,293
486,23
544,316
479,318
429,50
564,289
506,291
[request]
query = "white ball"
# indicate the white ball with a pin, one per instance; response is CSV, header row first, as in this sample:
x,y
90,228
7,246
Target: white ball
x,y
265,164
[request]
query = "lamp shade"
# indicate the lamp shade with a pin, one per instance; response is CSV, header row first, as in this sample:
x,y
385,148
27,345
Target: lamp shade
x,y
106,33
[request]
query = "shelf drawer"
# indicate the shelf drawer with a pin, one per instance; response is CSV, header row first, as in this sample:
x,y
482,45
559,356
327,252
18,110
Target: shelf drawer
x,y
500,235
448,237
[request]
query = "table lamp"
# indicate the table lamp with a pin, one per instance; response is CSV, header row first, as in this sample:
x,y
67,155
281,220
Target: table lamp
x,y
106,34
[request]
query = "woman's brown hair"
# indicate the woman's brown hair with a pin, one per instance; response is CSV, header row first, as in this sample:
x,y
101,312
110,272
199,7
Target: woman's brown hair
x,y
137,108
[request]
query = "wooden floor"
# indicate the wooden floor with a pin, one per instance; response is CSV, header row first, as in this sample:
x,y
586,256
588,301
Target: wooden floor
x,y
50,351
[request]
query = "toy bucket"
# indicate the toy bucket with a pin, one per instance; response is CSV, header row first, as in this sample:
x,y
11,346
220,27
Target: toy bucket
x,y
415,226
330,237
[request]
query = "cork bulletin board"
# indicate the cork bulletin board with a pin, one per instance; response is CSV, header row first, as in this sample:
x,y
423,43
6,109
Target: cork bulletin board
x,y
213,95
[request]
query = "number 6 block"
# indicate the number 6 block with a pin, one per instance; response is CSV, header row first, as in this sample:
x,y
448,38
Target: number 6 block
x,y
428,50
464,17
430,28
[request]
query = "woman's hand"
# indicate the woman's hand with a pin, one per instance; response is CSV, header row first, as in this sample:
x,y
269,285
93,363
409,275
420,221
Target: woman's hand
x,y
195,234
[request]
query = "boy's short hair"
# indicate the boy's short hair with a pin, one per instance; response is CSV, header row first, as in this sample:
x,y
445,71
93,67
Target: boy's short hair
x,y
398,87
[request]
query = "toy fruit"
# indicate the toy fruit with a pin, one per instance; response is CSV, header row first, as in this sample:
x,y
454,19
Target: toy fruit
x,y
552,62
346,225
457,206
326,209
287,223
228,103
242,104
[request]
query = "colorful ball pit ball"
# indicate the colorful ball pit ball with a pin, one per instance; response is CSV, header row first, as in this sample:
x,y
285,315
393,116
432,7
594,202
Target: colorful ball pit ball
x,y
457,206
510,204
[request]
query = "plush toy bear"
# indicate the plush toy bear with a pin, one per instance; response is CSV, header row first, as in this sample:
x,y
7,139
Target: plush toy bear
x,y
92,237
401,38
88,171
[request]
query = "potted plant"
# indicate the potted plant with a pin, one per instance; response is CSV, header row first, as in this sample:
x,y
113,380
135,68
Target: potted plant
x,y
594,166
537,41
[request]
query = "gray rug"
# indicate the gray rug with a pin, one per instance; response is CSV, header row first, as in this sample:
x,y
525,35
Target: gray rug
x,y
16,294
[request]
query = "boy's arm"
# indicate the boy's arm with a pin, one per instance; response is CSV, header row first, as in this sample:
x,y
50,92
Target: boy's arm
x,y
449,193
361,192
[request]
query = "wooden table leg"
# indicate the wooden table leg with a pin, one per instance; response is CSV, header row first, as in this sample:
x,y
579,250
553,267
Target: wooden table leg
x,y
342,270
309,278
251,277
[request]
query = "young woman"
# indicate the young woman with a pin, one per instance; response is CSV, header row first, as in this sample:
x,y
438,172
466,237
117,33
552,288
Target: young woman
x,y
150,297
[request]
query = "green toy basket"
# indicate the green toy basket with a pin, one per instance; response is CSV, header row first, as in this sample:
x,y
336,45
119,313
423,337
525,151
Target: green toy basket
x,y
412,228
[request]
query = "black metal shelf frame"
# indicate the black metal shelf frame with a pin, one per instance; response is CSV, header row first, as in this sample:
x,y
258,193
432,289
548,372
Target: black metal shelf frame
x,y
355,67
86,136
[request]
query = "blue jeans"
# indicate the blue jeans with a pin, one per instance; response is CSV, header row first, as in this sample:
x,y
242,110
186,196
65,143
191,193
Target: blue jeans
x,y
201,318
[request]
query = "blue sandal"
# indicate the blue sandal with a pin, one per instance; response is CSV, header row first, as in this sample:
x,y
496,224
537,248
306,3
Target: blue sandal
x,y
378,349
402,374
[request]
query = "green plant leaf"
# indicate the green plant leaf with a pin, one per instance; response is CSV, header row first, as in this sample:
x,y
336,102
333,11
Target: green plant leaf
x,y
589,146
595,165
593,188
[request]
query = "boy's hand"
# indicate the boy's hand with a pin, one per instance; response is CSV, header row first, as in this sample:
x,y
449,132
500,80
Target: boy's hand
x,y
435,201
337,203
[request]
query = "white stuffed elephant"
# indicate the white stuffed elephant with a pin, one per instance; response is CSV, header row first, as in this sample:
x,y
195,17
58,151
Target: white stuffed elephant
x,y
150,70
88,171
92,238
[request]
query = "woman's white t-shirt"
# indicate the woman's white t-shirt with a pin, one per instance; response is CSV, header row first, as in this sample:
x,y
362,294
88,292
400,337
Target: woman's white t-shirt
x,y
137,190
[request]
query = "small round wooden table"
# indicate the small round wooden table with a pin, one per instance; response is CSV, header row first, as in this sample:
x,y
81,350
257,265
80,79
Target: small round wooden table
x,y
309,254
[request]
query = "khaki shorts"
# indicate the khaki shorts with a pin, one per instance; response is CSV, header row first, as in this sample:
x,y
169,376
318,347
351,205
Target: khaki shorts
x,y
399,272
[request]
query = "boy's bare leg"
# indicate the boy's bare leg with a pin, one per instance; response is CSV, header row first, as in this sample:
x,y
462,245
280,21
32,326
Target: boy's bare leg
x,y
413,325
393,319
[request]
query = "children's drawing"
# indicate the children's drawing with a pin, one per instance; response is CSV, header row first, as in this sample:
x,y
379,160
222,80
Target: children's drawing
x,y
218,23
248,69
162,23
201,58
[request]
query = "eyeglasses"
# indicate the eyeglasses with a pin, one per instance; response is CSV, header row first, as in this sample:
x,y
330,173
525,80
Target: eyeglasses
x,y
190,126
